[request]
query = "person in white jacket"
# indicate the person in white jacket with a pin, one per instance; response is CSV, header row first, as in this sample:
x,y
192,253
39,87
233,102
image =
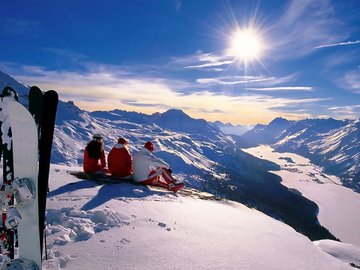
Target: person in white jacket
x,y
150,170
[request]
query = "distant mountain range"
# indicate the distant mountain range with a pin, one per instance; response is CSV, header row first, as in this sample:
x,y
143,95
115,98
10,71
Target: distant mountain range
x,y
229,128
198,151
329,143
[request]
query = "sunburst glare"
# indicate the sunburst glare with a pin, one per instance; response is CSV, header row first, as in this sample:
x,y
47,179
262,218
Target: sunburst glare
x,y
246,45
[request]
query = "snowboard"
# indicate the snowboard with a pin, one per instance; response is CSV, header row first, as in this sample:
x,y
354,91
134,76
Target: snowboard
x,y
17,192
25,157
7,235
99,178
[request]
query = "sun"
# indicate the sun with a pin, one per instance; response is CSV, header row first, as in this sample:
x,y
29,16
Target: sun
x,y
246,45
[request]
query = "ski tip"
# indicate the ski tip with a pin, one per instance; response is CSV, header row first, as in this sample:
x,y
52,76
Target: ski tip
x,y
35,88
52,94
35,91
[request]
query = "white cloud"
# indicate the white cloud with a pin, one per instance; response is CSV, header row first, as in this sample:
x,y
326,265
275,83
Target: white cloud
x,y
106,89
210,65
282,88
201,60
232,80
249,80
345,112
338,44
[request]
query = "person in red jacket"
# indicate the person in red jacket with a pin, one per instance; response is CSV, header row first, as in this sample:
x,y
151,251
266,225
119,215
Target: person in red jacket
x,y
94,156
120,161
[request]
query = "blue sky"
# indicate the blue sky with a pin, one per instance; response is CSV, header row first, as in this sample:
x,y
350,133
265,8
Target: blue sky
x,y
302,58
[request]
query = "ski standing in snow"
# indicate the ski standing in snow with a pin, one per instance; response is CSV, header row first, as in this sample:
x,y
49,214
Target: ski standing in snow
x,y
43,107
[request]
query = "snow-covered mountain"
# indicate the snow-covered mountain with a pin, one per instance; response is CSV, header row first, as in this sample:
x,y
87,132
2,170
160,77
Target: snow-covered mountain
x,y
22,90
229,128
199,153
332,144
265,134
127,220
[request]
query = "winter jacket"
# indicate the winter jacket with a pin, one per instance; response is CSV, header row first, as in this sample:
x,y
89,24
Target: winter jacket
x,y
120,161
144,162
92,165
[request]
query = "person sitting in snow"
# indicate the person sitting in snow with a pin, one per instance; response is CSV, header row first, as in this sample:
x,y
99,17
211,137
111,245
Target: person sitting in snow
x,y
94,156
150,170
120,160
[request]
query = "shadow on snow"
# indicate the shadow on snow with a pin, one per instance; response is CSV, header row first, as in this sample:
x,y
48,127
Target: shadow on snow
x,y
108,192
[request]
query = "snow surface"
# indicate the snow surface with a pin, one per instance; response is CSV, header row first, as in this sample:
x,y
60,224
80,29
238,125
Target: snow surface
x,y
124,226
339,207
346,252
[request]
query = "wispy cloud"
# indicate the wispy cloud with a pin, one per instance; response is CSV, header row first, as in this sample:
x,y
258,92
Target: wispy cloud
x,y
336,60
338,44
344,107
210,65
201,60
109,88
137,103
282,88
249,81
351,80
345,112
232,80
304,25
295,102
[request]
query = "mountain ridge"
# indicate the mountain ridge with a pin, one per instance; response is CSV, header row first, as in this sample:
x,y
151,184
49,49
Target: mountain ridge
x,y
209,161
199,153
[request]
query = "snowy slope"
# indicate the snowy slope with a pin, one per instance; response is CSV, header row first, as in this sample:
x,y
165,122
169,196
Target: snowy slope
x,y
123,226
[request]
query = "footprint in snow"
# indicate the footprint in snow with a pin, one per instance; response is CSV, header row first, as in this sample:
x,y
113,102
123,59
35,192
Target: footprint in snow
x,y
161,224
125,241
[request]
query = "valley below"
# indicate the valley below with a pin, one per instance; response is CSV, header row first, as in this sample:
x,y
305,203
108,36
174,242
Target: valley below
x,y
339,206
